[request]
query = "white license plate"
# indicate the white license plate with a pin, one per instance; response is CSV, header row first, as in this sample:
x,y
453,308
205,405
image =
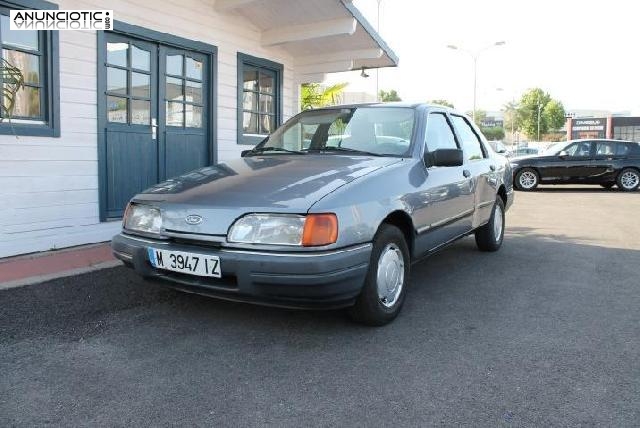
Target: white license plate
x,y
189,263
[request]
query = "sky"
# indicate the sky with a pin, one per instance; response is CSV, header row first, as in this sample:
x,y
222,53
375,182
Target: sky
x,y
584,54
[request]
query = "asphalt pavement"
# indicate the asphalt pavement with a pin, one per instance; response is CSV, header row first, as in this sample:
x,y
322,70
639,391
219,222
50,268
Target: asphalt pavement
x,y
545,332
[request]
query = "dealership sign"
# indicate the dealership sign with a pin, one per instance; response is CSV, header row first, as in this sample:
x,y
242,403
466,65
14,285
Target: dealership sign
x,y
61,19
589,128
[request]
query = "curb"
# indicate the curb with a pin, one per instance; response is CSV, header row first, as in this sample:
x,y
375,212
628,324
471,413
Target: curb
x,y
42,278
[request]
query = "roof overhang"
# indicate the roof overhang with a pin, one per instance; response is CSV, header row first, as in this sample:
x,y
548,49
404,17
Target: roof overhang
x,y
323,36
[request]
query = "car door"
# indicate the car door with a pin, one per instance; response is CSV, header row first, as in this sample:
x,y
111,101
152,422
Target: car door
x,y
571,165
442,203
603,163
480,167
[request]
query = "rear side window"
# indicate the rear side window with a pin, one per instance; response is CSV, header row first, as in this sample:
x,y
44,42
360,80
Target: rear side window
x,y
604,148
624,149
439,133
471,144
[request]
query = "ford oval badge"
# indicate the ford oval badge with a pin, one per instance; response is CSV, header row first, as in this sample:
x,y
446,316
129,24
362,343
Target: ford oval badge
x,y
193,219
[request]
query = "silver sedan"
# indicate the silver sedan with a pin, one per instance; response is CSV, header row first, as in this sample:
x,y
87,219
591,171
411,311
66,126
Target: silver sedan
x,y
329,211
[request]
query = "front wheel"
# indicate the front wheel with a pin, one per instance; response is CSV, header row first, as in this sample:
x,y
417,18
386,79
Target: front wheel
x,y
489,237
386,282
628,179
527,179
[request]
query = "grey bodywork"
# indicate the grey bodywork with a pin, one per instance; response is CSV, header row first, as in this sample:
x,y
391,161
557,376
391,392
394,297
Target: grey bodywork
x,y
439,204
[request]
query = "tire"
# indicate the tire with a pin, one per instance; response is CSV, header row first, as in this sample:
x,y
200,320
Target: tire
x,y
607,185
527,179
490,236
628,179
376,307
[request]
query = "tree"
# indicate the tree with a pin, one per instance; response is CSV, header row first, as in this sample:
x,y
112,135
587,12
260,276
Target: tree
x,y
314,95
13,81
555,113
493,132
539,113
442,103
481,115
392,95
511,117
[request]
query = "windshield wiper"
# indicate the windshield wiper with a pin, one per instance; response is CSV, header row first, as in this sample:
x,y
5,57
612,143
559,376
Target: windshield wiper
x,y
348,150
275,149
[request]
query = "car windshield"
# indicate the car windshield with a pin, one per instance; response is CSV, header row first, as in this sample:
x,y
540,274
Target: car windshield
x,y
378,131
555,148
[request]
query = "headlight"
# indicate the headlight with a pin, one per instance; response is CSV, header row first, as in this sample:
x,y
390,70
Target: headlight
x,y
143,218
282,229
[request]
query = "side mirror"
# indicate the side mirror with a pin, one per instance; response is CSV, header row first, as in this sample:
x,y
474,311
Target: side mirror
x,y
244,153
446,157
563,154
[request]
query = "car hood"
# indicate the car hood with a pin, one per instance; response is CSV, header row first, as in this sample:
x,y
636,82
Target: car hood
x,y
274,183
517,159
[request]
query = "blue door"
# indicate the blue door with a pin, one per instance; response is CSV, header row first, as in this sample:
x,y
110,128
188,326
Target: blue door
x,y
155,123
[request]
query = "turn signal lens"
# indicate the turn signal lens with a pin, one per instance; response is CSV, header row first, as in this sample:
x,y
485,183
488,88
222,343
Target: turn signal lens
x,y
320,229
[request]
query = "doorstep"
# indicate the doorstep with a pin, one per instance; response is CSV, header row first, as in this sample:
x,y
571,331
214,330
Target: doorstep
x,y
39,267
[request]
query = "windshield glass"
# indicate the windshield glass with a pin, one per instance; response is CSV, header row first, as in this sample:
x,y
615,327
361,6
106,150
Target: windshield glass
x,y
382,131
555,149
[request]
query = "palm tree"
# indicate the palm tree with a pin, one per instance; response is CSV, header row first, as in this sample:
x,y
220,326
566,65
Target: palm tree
x,y
314,95
512,115
13,81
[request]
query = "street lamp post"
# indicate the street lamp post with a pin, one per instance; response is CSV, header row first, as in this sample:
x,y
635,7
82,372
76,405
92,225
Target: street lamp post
x,y
377,69
474,56
539,110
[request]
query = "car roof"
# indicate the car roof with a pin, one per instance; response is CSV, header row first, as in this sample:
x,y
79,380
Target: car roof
x,y
611,140
400,104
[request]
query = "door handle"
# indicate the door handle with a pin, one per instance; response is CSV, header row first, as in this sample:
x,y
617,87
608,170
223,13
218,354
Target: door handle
x,y
492,167
466,173
154,128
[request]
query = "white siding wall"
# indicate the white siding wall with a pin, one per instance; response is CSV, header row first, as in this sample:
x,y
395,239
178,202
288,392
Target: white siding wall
x,y
49,186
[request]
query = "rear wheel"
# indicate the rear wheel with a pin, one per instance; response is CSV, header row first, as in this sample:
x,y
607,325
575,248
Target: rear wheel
x,y
527,179
628,179
385,285
489,237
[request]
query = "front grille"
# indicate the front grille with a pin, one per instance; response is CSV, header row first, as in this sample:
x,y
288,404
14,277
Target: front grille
x,y
195,242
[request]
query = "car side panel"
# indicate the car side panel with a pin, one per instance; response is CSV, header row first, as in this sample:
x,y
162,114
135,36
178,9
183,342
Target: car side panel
x,y
442,204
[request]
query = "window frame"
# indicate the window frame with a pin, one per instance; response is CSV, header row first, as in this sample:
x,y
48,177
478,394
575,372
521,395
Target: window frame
x,y
48,125
483,149
245,60
447,119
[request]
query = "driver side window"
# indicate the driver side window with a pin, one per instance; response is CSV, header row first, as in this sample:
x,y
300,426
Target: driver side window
x,y
580,149
439,135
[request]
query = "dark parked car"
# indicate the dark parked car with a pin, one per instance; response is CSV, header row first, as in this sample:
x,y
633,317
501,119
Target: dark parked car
x,y
329,211
524,151
604,162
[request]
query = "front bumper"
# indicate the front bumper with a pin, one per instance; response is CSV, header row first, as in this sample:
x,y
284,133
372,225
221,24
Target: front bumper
x,y
323,280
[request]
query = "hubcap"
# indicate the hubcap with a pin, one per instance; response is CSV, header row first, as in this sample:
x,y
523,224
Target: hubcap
x,y
528,179
629,180
390,277
497,223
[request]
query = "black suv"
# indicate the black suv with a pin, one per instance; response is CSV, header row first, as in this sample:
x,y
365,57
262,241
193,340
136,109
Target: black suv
x,y
604,162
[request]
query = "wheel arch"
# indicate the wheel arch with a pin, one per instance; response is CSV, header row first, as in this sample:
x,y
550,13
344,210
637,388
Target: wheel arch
x,y
402,221
502,192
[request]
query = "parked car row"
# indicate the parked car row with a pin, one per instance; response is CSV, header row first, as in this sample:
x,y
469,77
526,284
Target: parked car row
x,y
605,162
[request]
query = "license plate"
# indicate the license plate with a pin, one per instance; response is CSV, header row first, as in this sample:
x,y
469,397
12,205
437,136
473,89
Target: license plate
x,y
189,263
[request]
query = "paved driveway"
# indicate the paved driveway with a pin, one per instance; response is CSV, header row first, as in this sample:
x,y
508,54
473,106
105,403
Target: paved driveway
x,y
544,332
